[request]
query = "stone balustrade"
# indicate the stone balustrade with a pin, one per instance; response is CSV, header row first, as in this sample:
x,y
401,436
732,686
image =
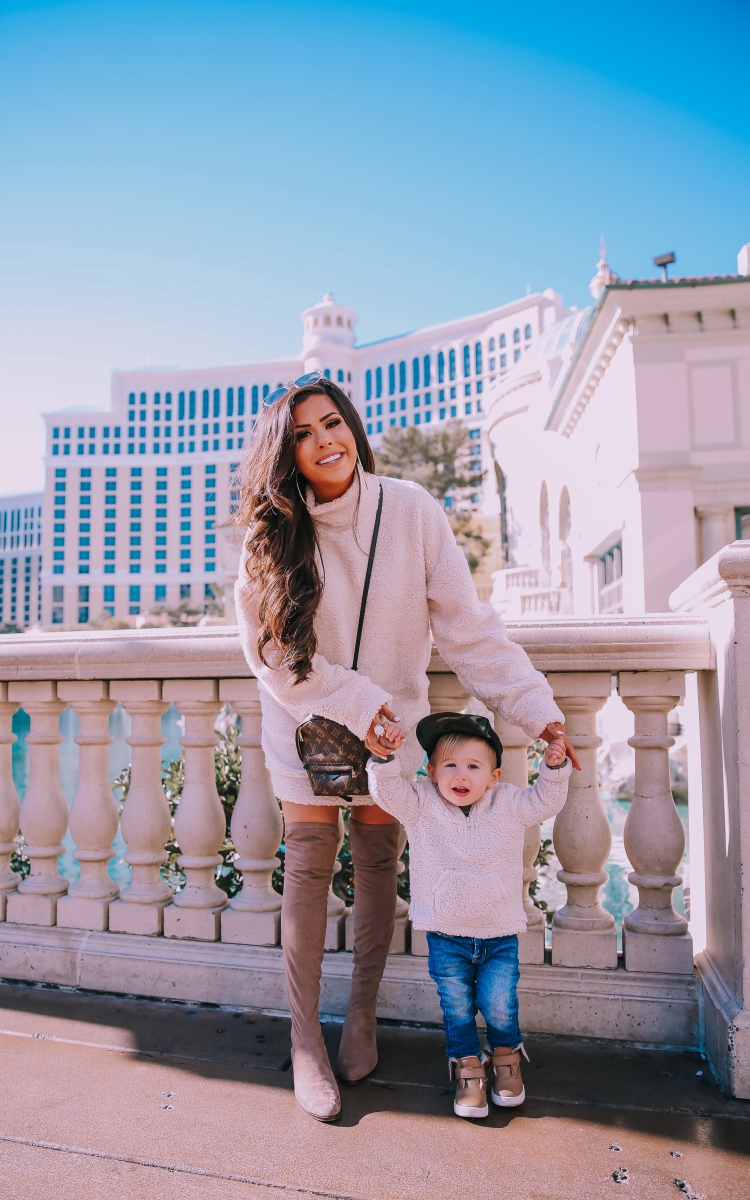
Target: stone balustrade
x,y
649,993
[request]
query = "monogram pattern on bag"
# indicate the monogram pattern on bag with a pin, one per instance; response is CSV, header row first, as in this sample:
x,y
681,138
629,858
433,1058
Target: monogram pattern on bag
x,y
333,758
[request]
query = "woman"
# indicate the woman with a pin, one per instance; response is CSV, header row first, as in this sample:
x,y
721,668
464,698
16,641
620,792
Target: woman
x,y
309,501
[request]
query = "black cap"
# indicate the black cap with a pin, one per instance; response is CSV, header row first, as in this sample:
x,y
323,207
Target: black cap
x,y
431,729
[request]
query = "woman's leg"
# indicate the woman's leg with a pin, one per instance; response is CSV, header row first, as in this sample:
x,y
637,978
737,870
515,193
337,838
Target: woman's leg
x,y
450,962
373,837
310,854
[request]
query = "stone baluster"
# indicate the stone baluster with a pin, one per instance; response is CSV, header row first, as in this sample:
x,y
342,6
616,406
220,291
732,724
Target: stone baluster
x,y
146,822
10,806
583,933
44,812
94,815
447,694
254,914
336,912
516,771
200,823
655,937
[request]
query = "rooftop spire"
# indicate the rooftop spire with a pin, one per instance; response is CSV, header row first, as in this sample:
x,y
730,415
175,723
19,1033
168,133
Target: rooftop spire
x,y
604,275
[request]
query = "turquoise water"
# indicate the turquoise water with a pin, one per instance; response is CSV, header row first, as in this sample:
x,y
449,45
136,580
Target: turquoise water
x,y
619,896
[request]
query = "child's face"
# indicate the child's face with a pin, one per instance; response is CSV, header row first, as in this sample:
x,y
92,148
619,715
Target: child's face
x,y
463,776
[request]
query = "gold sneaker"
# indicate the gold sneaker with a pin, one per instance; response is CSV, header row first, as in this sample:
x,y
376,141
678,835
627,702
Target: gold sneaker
x,y
507,1084
470,1075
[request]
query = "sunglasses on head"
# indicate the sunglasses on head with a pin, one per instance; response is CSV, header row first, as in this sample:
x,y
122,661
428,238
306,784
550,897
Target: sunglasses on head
x,y
303,381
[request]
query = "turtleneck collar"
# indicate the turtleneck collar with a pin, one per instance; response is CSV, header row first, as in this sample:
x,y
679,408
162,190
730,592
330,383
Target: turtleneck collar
x,y
340,513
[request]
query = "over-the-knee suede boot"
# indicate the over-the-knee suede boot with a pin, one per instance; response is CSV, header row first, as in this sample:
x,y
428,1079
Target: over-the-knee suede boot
x,y
375,855
310,855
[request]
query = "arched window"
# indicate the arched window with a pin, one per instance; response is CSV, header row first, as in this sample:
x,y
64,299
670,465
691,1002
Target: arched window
x,y
254,395
230,402
240,402
478,358
391,379
326,320
415,373
426,371
502,341
516,335
467,362
441,367
205,403
492,344
402,376
527,332
181,407
368,385
217,402
451,364
544,526
340,376
379,382
566,554
192,406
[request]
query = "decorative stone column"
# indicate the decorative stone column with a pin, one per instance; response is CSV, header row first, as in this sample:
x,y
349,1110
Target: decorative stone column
x,y
10,806
146,822
716,527
336,912
254,914
200,824
583,933
654,936
447,694
516,771
94,815
44,812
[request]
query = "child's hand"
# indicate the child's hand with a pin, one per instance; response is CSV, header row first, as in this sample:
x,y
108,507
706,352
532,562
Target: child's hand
x,y
554,755
376,741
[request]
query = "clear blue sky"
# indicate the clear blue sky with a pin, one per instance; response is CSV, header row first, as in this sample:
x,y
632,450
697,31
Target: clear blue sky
x,y
179,180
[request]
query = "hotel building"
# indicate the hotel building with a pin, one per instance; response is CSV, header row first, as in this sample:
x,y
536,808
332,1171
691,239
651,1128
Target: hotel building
x,y
21,559
134,495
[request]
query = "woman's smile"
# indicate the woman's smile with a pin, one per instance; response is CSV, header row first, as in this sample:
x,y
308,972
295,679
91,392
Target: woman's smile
x,y
332,458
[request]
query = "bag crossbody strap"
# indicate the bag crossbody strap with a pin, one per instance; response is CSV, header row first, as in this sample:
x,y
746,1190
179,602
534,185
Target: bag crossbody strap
x,y
366,588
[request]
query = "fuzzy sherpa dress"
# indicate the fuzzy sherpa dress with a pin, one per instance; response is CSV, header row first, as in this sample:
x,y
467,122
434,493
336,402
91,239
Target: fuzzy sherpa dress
x,y
420,582
466,873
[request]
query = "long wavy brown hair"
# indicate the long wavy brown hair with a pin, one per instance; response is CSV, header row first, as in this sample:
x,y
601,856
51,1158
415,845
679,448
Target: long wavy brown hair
x,y
282,546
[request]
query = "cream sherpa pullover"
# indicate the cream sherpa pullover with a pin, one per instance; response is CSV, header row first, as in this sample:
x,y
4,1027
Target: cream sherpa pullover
x,y
420,581
466,873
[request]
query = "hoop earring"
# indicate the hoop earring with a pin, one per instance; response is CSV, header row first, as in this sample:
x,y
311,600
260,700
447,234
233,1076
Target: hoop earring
x,y
299,489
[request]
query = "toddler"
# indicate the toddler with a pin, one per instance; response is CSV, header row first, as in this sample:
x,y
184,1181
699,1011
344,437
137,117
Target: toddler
x,y
466,834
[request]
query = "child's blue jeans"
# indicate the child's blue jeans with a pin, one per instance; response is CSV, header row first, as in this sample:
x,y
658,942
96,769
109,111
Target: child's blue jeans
x,y
476,975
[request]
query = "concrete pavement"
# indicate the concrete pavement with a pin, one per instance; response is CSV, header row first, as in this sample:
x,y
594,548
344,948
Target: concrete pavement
x,y
140,1100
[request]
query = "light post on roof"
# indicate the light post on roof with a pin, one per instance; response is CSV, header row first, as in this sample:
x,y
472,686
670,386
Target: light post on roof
x,y
663,261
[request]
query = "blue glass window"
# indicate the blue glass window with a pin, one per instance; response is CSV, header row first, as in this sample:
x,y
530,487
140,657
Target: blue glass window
x,y
379,381
254,401
426,371
240,402
402,405
402,376
467,361
527,332
516,335
516,355
427,399
368,385
492,344
392,406
340,376
416,401
266,389
478,359
217,402
451,364
230,402
391,379
417,418
415,373
192,406
501,343
369,429
441,367
503,361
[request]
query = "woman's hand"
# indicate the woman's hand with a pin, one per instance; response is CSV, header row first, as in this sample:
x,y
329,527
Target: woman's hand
x,y
388,738
552,732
